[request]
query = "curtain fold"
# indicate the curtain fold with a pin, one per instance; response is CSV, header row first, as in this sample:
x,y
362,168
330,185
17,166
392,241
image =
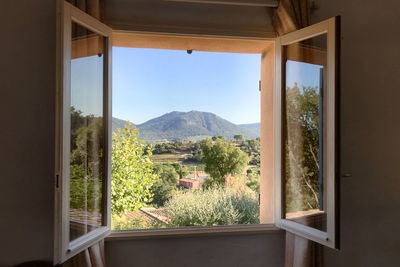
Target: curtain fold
x,y
291,15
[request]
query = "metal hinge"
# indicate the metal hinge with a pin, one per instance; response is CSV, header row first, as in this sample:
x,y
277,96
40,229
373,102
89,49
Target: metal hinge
x,y
57,181
259,85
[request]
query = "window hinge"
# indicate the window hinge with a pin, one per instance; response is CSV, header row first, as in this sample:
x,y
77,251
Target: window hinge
x,y
259,85
57,181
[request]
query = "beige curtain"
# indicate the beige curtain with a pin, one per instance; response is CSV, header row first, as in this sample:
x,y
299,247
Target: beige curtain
x,y
91,257
291,15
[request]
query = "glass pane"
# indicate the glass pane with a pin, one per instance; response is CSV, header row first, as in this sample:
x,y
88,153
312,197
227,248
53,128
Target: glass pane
x,y
304,69
87,159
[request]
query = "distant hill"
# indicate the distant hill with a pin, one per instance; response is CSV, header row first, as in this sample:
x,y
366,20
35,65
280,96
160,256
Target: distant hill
x,y
253,127
188,126
118,123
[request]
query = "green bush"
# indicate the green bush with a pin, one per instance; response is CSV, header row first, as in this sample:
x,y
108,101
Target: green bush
x,y
214,206
122,222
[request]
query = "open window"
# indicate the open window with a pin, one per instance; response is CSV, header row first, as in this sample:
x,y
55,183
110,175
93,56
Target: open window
x,y
298,129
83,127
305,133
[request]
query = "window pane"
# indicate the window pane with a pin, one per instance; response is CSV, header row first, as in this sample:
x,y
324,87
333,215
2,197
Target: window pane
x,y
87,132
303,104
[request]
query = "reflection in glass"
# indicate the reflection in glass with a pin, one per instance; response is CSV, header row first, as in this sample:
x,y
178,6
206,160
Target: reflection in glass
x,y
304,67
87,132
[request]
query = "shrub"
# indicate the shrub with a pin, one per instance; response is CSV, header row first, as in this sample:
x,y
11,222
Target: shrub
x,y
122,222
214,206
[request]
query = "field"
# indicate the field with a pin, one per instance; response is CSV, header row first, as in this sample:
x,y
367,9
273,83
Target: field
x,y
176,158
168,158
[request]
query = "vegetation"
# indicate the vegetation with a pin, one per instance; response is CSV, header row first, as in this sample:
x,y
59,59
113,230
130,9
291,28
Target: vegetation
x,y
222,159
302,148
166,184
214,206
132,172
191,126
253,181
87,162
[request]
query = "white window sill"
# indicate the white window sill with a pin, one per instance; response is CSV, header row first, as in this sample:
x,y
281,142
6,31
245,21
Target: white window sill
x,y
194,232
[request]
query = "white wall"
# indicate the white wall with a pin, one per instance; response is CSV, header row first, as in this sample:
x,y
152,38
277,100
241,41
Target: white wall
x,y
27,93
370,135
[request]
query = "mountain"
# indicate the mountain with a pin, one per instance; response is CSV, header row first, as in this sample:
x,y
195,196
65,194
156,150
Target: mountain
x,y
253,127
189,125
118,123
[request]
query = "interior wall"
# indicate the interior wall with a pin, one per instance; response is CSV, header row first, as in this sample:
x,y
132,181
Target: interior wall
x,y
27,94
193,18
256,250
370,131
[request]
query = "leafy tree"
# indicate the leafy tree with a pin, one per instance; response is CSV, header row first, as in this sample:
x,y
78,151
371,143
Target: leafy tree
x,y
132,172
302,148
87,161
252,148
253,180
222,159
238,137
165,186
182,170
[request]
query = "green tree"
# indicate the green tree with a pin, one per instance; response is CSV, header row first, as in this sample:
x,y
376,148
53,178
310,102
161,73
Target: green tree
x,y
253,180
166,184
302,148
238,137
132,171
87,161
182,170
222,159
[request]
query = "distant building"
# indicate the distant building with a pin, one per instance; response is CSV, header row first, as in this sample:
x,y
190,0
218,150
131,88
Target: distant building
x,y
193,180
190,183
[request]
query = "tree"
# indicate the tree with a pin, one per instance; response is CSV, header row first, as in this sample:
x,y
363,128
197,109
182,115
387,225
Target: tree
x,y
165,186
132,171
182,170
87,161
238,137
302,148
222,159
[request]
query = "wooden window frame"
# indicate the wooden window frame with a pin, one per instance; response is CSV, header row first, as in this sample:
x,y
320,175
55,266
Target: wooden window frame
x,y
63,248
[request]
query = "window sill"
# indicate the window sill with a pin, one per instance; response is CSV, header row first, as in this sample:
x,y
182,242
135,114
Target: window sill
x,y
194,232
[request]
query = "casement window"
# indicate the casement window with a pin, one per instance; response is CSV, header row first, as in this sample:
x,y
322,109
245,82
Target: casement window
x,y
305,142
83,156
298,130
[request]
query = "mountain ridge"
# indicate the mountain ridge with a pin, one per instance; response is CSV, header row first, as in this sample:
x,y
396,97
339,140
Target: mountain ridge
x,y
177,125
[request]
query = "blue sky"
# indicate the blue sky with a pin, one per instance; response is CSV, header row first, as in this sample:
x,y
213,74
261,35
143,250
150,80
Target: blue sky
x,y
148,83
87,85
304,74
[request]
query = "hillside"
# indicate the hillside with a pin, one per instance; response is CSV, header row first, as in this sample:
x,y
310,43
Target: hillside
x,y
118,123
253,127
189,125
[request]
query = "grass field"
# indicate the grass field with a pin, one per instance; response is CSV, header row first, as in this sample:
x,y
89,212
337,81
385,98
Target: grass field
x,y
176,158
168,158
